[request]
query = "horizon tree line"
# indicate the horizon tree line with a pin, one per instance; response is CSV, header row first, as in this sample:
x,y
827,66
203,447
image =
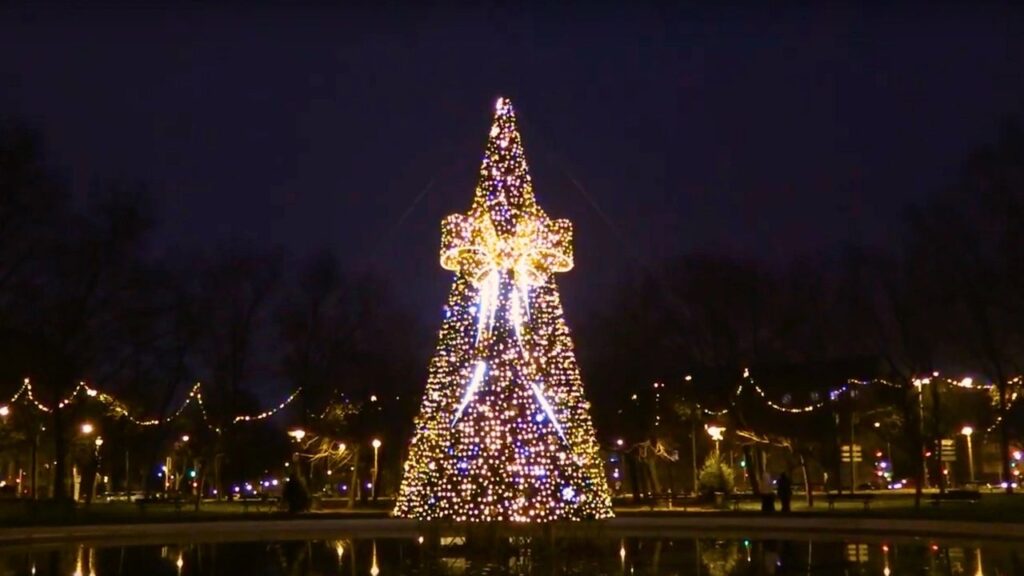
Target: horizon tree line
x,y
85,297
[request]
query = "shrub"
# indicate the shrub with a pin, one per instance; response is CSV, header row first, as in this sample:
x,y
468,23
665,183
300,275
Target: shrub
x,y
715,476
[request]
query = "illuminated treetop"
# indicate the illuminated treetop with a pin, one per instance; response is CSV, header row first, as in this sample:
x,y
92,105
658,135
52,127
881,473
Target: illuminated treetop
x,y
505,230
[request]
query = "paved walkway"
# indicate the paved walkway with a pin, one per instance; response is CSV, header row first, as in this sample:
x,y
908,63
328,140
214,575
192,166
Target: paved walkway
x,y
681,526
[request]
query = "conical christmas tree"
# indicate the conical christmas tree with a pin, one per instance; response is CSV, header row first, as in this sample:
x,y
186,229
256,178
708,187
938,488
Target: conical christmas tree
x,y
504,432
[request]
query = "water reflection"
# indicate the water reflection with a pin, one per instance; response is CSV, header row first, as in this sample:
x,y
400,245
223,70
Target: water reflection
x,y
521,556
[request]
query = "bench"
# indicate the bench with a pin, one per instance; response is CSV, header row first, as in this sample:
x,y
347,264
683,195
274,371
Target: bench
x,y
864,499
262,504
176,501
736,499
968,496
683,502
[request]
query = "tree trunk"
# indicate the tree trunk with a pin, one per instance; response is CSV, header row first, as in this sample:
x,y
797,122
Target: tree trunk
x,y
634,480
200,478
937,433
693,442
153,457
807,481
752,468
839,455
35,463
217,465
1004,436
652,474
353,484
60,489
919,462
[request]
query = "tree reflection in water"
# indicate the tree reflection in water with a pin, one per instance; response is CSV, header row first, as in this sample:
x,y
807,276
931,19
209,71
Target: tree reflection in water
x,y
596,555
720,557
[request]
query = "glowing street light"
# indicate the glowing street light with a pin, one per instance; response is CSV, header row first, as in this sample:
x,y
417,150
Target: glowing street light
x,y
376,450
968,432
99,441
716,433
298,434
5,411
185,438
87,428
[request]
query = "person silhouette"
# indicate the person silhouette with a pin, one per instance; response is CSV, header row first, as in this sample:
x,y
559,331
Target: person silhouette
x,y
784,486
767,494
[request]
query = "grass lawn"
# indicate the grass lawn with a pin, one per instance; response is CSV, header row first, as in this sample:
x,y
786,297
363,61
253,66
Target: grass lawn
x,y
13,513
993,507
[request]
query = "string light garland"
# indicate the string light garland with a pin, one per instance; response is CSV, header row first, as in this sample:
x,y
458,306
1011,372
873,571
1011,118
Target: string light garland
x,y
267,413
801,410
835,394
709,412
26,390
504,432
118,407
1014,397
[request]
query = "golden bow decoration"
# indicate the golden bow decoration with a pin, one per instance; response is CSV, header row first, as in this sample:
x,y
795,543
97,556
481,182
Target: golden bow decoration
x,y
537,247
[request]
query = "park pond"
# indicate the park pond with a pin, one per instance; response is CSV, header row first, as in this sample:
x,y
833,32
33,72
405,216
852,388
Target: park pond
x,y
677,555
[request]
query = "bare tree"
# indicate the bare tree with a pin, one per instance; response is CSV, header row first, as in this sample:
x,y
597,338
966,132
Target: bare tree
x,y
237,292
970,237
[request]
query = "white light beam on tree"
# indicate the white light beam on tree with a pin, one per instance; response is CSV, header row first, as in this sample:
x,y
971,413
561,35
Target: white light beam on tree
x,y
548,410
474,383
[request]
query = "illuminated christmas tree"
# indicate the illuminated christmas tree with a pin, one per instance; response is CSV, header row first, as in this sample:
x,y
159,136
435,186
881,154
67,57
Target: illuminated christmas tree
x,y
504,432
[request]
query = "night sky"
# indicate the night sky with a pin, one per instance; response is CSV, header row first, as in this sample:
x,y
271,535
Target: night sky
x,y
756,134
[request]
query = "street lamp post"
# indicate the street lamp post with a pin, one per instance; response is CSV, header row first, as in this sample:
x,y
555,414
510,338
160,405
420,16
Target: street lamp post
x,y
716,433
968,432
620,469
87,429
97,475
297,434
376,450
919,384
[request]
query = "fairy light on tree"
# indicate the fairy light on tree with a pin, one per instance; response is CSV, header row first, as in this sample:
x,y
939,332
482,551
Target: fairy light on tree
x,y
504,431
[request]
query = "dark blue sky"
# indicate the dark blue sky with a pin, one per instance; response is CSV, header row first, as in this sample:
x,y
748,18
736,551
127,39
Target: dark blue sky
x,y
760,134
